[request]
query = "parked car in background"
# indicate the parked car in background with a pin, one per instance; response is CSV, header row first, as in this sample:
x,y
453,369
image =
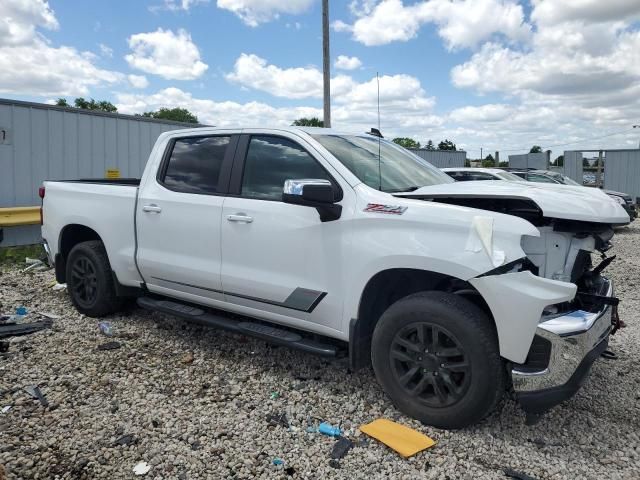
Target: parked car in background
x,y
547,176
536,176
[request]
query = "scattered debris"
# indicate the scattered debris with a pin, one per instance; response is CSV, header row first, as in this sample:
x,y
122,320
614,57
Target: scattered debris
x,y
330,430
21,311
34,264
109,346
6,409
126,440
334,463
341,448
278,419
404,440
51,316
274,395
609,355
59,286
13,329
141,468
4,347
278,461
36,394
290,471
517,475
187,358
106,328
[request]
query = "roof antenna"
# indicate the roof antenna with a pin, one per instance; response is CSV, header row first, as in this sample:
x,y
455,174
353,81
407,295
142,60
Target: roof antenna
x,y
379,137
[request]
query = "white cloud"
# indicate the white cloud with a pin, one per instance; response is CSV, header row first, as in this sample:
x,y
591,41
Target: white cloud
x,y
138,81
20,18
255,12
167,54
29,65
176,5
550,12
462,23
105,50
344,62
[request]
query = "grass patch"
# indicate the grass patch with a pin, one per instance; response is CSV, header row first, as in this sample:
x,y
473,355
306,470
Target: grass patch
x,y
16,255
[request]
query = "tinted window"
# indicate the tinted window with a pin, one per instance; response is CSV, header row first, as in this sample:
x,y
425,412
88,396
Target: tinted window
x,y
195,163
481,176
272,160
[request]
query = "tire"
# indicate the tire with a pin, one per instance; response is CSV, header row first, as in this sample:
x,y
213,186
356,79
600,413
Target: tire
x,y
457,385
89,280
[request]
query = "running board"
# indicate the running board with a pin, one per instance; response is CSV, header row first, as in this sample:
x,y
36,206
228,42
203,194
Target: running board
x,y
262,331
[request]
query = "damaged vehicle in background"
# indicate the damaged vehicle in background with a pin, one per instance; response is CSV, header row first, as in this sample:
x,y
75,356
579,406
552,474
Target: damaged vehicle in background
x,y
345,244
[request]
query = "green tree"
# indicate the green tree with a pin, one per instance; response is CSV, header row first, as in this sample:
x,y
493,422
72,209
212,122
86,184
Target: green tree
x,y
91,104
308,122
536,149
406,142
489,161
504,164
467,162
559,162
447,145
175,114
62,102
585,162
430,145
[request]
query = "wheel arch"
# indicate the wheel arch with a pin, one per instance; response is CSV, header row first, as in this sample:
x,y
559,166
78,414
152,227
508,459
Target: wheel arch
x,y
387,287
70,236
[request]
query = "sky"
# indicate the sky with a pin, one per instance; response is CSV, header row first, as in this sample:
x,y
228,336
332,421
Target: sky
x,y
501,75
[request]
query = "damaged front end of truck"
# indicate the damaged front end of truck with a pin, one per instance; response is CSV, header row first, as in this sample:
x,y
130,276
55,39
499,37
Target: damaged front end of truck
x,y
556,299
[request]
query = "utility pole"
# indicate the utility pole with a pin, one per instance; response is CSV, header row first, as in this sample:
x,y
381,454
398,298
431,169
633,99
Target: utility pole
x,y
637,126
326,64
599,171
481,157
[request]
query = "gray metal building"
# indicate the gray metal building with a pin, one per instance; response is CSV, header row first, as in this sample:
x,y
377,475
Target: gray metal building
x,y
622,171
442,158
40,142
530,160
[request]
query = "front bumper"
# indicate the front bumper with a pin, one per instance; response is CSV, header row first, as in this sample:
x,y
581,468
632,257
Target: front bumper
x,y
576,340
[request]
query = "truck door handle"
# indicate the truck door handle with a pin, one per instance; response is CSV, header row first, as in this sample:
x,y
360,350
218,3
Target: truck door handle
x,y
153,208
240,218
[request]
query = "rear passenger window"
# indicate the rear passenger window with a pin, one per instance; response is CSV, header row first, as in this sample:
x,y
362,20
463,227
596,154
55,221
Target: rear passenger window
x,y
195,163
272,160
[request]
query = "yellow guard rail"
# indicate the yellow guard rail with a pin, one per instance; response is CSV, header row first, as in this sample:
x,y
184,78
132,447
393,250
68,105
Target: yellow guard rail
x,y
18,216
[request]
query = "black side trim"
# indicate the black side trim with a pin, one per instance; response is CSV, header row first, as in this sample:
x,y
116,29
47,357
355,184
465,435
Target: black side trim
x,y
301,299
540,401
359,345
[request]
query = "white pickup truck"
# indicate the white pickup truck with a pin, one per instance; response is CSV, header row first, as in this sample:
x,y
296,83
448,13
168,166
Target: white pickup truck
x,y
346,244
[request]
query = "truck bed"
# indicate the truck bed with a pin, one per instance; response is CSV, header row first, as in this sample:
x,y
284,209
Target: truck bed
x,y
105,206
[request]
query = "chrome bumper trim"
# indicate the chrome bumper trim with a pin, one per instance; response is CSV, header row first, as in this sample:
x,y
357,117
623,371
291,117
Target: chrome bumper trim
x,y
572,337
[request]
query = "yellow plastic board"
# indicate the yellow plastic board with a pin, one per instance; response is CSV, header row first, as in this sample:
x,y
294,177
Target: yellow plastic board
x,y
18,216
404,440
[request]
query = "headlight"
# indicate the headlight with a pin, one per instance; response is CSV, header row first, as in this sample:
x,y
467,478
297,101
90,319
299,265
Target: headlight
x,y
620,200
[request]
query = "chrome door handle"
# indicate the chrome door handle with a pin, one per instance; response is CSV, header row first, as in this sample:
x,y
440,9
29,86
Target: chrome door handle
x,y
240,218
151,208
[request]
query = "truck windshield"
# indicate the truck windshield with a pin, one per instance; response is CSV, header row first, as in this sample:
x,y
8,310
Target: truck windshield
x,y
398,170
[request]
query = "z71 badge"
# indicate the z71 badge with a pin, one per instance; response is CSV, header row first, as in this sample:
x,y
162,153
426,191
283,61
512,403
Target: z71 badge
x,y
380,208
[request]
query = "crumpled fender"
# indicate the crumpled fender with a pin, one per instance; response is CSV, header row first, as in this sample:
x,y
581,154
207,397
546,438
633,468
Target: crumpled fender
x,y
517,301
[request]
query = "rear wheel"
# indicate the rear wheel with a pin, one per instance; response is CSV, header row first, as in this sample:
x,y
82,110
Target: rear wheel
x,y
89,280
436,355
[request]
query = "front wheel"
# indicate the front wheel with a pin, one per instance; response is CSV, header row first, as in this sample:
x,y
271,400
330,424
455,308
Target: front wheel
x,y
436,355
89,280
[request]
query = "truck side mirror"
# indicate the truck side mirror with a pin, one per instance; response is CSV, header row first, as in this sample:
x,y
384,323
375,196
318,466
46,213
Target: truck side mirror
x,y
318,193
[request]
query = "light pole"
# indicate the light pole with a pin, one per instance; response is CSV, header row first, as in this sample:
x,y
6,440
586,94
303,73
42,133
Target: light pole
x,y
637,126
326,64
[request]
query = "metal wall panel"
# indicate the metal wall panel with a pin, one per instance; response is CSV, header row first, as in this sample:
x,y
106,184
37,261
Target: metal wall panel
x,y
49,142
442,158
539,161
622,171
573,166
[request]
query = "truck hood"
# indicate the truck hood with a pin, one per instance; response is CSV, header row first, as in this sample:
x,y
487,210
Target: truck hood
x,y
556,201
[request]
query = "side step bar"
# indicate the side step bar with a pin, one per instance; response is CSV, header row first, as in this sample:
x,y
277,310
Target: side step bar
x,y
263,331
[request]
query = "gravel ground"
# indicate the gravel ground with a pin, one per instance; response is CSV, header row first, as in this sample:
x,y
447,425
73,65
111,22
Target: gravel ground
x,y
194,403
